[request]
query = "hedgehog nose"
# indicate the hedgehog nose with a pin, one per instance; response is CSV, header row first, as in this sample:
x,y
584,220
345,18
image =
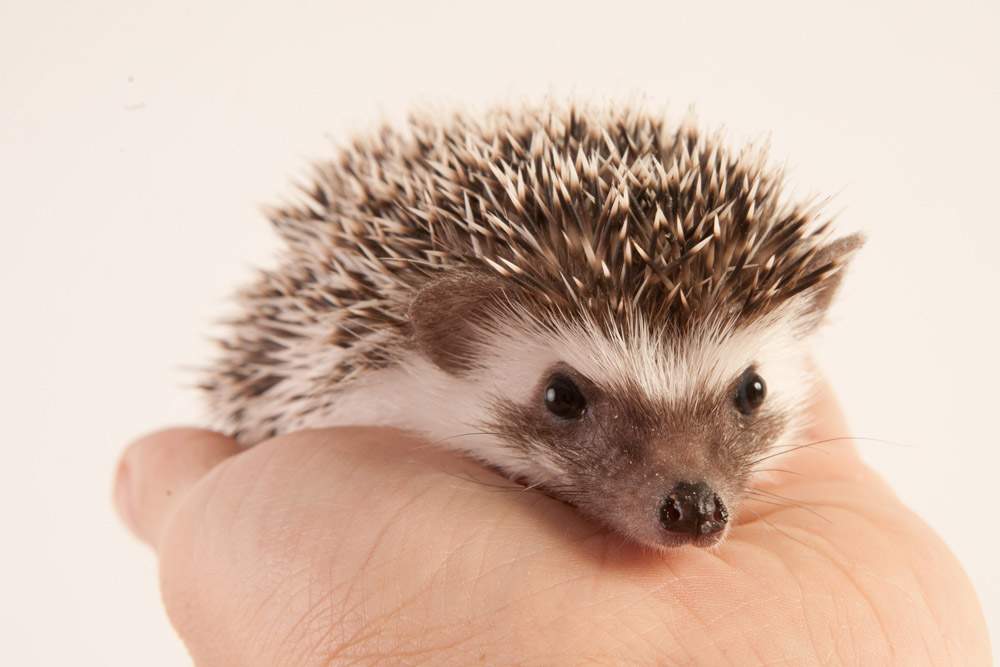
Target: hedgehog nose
x,y
693,509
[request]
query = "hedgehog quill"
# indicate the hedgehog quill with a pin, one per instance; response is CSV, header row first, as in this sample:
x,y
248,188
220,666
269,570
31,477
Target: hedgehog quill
x,y
592,303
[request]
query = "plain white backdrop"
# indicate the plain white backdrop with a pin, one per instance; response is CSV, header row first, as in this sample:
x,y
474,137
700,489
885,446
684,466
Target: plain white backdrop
x,y
138,138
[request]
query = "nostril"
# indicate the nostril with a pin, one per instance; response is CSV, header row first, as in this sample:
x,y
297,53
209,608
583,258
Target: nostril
x,y
720,514
679,512
670,513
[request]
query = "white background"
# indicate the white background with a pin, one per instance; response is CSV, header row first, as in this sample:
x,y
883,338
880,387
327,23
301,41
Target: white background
x,y
138,138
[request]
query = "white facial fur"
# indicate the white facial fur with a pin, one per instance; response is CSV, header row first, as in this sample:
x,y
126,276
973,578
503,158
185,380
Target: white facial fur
x,y
451,411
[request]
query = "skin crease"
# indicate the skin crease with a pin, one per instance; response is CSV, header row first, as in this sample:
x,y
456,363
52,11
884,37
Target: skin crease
x,y
363,545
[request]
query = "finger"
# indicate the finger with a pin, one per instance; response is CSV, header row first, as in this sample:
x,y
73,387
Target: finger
x,y
156,472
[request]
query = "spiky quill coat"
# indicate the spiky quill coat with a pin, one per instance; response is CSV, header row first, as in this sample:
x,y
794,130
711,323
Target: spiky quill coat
x,y
587,212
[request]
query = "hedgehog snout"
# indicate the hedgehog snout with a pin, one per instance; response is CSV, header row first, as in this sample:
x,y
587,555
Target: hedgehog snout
x,y
693,509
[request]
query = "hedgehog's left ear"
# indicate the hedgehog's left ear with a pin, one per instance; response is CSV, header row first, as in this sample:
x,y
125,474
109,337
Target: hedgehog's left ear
x,y
835,256
448,317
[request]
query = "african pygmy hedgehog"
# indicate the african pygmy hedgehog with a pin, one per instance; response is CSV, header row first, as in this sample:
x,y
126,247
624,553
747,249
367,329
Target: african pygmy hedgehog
x,y
593,304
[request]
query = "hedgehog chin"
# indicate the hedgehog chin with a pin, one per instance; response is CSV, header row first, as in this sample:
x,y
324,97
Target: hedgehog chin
x,y
668,543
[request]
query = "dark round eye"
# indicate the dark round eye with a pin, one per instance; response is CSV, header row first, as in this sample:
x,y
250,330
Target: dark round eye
x,y
751,392
564,399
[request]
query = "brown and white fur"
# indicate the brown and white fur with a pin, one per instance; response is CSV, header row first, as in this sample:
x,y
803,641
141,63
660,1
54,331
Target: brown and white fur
x,y
438,278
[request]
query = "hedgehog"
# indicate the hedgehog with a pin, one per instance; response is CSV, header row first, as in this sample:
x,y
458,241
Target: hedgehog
x,y
585,299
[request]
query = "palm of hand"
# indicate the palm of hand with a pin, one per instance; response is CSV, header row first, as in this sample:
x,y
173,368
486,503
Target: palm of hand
x,y
361,544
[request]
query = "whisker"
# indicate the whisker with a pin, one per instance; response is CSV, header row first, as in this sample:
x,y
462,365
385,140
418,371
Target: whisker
x,y
776,529
431,444
468,435
859,438
768,502
770,494
881,441
787,449
510,487
790,506
790,472
761,495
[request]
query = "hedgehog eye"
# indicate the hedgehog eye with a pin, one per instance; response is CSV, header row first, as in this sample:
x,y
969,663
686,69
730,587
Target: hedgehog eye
x,y
564,399
750,392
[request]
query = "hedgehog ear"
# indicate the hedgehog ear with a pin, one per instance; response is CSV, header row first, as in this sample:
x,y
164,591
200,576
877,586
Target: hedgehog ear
x,y
447,318
819,297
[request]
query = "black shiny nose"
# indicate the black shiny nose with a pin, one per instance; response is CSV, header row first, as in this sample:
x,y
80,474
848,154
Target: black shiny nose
x,y
693,509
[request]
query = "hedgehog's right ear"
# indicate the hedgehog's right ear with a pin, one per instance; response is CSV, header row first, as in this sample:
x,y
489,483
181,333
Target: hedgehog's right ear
x,y
820,295
447,317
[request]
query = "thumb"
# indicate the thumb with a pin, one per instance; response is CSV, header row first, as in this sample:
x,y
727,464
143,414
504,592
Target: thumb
x,y
156,472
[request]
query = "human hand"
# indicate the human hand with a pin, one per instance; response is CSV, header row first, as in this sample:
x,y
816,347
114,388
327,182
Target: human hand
x,y
366,545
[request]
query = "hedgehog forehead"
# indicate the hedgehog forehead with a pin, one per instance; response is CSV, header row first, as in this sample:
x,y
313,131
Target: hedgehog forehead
x,y
667,368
